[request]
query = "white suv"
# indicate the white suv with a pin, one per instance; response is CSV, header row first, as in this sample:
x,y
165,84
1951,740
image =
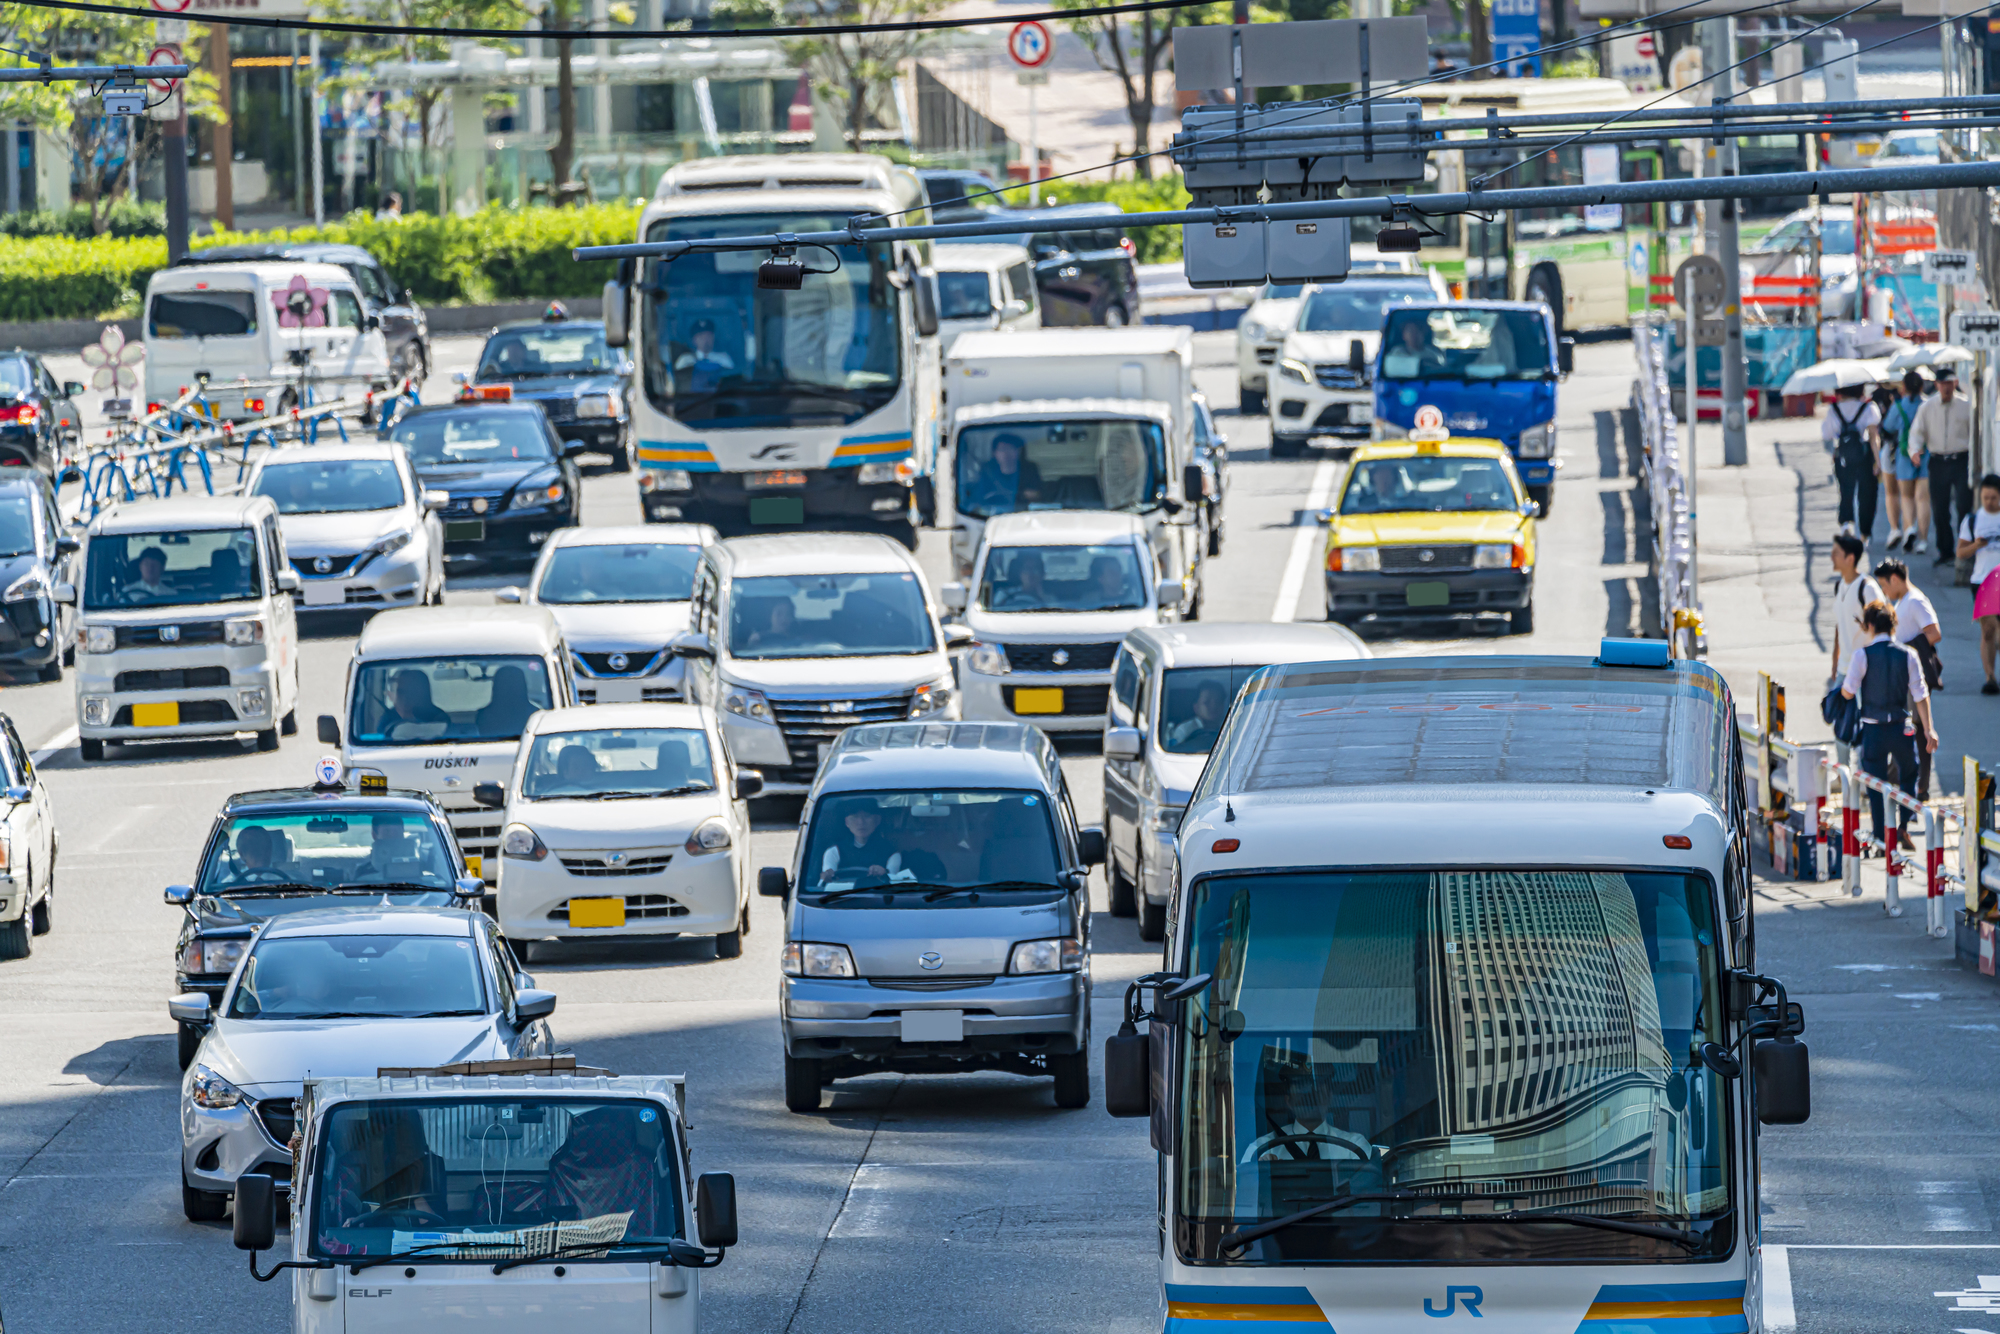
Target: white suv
x,y
1324,381
1271,316
185,623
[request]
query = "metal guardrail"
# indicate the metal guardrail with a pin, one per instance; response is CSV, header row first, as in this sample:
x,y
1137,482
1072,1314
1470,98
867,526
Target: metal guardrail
x,y
1670,491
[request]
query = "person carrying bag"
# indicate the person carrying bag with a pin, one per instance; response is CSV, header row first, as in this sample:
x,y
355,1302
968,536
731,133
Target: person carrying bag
x,y
1886,679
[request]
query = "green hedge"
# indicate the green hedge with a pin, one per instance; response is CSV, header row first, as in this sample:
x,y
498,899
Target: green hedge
x,y
58,278
1156,245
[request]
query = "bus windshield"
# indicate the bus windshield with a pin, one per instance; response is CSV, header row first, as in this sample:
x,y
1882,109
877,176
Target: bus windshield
x,y
1089,465
1466,343
720,350
1507,1042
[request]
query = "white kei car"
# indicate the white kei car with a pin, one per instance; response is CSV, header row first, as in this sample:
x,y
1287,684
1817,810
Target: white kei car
x,y
624,820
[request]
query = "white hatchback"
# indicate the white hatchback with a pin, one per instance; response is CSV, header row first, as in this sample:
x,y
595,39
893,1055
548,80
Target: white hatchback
x,y
624,820
360,529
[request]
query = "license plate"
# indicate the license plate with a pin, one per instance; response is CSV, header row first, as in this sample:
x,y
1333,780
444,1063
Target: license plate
x,y
1360,414
473,865
783,477
933,1025
597,912
465,530
778,509
326,595
1435,593
157,715
1038,700
620,692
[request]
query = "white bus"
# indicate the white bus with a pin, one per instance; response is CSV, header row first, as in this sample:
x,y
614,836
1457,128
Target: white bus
x,y
1461,981
767,410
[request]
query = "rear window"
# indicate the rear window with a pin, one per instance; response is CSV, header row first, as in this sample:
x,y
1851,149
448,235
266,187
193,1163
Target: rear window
x,y
217,313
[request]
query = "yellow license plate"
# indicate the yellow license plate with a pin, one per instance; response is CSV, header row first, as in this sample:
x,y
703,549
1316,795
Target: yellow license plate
x,y
157,715
597,912
1044,700
473,865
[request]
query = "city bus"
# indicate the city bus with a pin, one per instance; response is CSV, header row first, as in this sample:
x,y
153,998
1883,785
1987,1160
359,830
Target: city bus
x,y
1459,981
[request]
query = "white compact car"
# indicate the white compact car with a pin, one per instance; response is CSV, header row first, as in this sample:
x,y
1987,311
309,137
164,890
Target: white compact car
x,y
361,531
1052,594
620,596
624,820
1271,316
984,287
27,848
1324,383
185,625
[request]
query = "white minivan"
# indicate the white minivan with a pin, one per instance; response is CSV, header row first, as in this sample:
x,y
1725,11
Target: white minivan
x,y
301,324
185,623
985,287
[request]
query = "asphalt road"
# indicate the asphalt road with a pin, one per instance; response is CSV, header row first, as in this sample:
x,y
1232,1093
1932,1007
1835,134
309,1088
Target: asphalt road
x,y
915,1204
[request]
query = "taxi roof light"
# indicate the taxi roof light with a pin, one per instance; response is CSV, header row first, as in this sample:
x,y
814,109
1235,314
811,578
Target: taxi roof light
x,y
1634,653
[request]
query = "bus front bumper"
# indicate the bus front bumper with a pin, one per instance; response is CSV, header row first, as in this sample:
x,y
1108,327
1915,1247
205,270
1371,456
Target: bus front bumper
x,y
734,500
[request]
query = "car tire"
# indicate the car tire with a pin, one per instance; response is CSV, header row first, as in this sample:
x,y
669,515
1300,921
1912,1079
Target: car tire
x,y
1215,535
267,739
1287,446
202,1206
1152,919
1522,622
289,725
621,457
1072,1077
743,921
15,941
51,670
1115,316
802,1083
1545,496
1249,402
1124,894
42,917
186,1043
69,656
729,945
91,748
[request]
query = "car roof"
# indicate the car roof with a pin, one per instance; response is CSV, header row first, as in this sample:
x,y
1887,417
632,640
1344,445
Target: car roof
x,y
812,553
281,799
337,451
963,258
18,476
1459,446
472,405
894,755
1061,528
183,512
538,1086
269,271
664,534
615,717
471,631
1247,643
325,251
547,324
381,920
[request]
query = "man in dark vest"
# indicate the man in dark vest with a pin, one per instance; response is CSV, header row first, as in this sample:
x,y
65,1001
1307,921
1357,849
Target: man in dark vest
x,y
1889,681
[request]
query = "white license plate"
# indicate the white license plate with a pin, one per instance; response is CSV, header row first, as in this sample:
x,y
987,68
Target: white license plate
x,y
330,594
933,1025
1360,414
620,692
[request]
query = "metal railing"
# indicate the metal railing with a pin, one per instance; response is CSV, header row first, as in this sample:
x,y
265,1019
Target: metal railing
x,y
1670,492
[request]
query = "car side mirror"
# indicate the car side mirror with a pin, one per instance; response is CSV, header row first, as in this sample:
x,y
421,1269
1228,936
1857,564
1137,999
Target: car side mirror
x,y
288,581
190,1007
460,377
17,795
409,296
1784,1082
958,636
490,795
506,595
748,784
1128,1072
1533,509
329,730
64,593
1123,743
774,882
67,546
179,896
470,887
572,448
1324,516
1013,310
1565,355
1090,845
67,474
72,388
532,1005
692,644
1169,593
953,595
371,322
1194,483
256,1226
436,500
715,1210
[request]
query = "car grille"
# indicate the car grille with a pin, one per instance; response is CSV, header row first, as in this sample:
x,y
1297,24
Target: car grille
x,y
1078,701
637,907
148,636
930,983
638,662
279,1117
1340,375
1425,560
1266,355
461,506
1336,417
478,839
651,864
1078,657
807,723
585,694
192,711
558,409
172,678
308,566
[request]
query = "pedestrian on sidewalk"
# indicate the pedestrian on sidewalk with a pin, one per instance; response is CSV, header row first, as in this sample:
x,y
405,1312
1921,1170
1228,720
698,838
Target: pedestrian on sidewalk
x,y
1979,540
1888,680
1942,430
1852,431
1906,475
1916,626
1852,590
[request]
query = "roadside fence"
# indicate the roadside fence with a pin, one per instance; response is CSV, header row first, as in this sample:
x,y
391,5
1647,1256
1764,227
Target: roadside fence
x,y
1670,493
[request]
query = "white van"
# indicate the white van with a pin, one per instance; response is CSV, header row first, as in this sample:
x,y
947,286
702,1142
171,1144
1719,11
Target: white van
x,y
437,699
982,287
185,623
300,323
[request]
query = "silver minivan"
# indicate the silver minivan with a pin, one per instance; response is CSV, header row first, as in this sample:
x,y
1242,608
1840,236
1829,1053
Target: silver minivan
x,y
937,912
1171,688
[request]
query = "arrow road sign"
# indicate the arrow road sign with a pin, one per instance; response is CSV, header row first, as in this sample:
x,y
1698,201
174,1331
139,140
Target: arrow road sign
x,y
1030,45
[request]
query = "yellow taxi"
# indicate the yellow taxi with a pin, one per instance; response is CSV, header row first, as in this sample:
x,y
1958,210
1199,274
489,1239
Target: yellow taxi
x,y
1430,528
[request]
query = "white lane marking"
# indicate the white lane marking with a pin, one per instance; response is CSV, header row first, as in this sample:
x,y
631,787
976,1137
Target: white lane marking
x,y
867,1211
1778,1313
61,741
1294,579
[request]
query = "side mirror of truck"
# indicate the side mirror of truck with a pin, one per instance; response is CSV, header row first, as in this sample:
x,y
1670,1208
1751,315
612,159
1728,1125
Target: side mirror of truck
x,y
774,882
1169,593
1784,1082
924,300
490,795
616,302
256,1226
329,730
715,1210
1090,845
68,546
532,1005
1128,1073
1123,743
64,593
959,636
692,644
953,595
1194,483
289,581
1565,355
748,784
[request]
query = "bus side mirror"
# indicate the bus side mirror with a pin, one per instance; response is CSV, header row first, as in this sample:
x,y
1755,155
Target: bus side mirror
x,y
256,1212
329,730
1194,484
715,1210
1784,1082
616,301
1565,355
1128,1073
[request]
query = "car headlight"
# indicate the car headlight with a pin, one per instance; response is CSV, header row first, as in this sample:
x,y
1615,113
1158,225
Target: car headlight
x,y
387,546
747,704
1167,819
1250,331
28,587
711,835
931,698
988,659
1295,370
96,710
243,630
881,474
806,959
97,638
534,497
665,479
522,844
211,956
212,1091
252,703
598,405
1492,556
1362,560
1538,442
1046,956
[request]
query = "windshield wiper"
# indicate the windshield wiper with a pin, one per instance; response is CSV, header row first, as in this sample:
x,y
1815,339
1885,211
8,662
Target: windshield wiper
x,y
1663,1231
387,887
369,1262
1231,1241
576,1248
628,794
895,887
943,890
435,1014
276,888
1237,1240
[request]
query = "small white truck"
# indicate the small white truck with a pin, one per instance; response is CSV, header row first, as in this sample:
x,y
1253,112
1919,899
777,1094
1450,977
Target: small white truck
x,y
502,1196
1079,419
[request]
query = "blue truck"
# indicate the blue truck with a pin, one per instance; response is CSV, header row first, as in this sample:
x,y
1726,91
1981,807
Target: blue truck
x,y
1491,367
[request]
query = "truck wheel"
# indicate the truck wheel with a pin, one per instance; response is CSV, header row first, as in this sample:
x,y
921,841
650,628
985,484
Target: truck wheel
x,y
267,739
202,1206
801,1084
1521,622
1545,496
1287,446
42,917
289,724
1152,920
91,748
1249,402
1124,894
51,670
1545,287
14,941
1072,1078
186,1043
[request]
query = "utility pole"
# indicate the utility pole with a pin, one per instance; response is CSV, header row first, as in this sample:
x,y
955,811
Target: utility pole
x,y
1718,54
225,148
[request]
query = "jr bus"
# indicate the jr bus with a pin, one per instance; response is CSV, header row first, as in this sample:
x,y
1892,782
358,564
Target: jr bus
x,y
761,409
1460,1012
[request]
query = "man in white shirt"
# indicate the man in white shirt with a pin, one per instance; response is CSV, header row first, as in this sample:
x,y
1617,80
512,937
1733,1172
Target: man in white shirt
x,y
1852,590
1852,432
1943,430
1889,744
1916,626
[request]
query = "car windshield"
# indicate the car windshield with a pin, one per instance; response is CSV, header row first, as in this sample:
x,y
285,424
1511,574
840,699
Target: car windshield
x,y
474,435
1530,1038
620,572
1193,703
332,486
1836,236
1911,143
1282,291
1358,307
828,616
1428,483
448,1181
1066,578
1088,465
630,761
173,569
719,349
433,701
17,525
959,839
16,377
327,849
964,296
1466,343
216,313
548,349
385,977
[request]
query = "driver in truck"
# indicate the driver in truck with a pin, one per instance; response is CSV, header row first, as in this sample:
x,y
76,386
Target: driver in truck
x,y
1008,481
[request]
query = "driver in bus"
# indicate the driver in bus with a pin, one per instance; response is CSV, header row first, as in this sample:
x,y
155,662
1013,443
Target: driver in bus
x,y
1303,1120
1007,481
706,362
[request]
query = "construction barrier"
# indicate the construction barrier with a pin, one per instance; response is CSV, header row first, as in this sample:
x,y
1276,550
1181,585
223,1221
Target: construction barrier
x,y
1669,494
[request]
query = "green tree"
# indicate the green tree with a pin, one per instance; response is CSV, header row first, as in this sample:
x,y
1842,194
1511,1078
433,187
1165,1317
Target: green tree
x,y
1137,49
852,71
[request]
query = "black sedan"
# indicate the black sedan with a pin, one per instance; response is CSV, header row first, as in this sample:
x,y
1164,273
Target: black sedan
x,y
511,479
35,556
291,849
566,366
38,414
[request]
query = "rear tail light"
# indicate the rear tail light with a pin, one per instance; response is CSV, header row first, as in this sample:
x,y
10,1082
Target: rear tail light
x,y
253,405
1127,246
155,407
27,414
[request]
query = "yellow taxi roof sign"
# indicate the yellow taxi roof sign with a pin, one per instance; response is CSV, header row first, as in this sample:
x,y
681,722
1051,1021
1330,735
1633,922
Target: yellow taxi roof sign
x,y
1428,428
